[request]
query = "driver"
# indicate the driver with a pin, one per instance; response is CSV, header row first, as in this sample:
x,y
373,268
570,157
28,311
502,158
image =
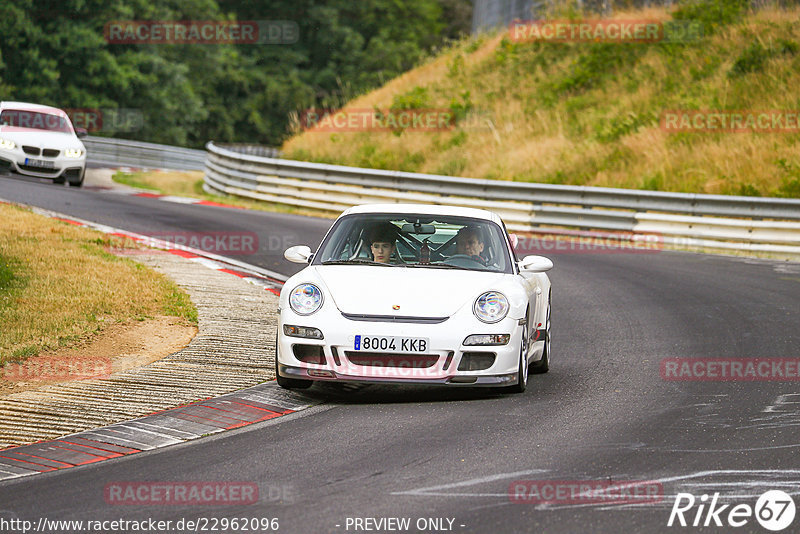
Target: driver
x,y
382,242
469,241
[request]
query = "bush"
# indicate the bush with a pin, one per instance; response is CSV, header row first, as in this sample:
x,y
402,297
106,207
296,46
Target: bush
x,y
460,108
713,14
748,190
417,98
755,56
616,127
602,61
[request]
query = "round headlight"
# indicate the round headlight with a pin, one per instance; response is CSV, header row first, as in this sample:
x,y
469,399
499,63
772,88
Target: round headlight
x,y
491,307
305,299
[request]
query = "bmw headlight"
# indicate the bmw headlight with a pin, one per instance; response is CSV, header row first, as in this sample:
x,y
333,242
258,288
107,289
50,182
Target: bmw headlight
x,y
8,144
491,307
305,299
73,152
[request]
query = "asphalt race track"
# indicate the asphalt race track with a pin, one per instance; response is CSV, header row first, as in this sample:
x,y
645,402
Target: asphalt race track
x,y
447,458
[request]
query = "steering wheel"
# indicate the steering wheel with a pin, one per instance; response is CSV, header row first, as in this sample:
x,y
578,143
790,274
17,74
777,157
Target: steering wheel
x,y
462,259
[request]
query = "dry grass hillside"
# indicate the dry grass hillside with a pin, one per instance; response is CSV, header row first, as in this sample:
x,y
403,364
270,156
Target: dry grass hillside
x,y
589,113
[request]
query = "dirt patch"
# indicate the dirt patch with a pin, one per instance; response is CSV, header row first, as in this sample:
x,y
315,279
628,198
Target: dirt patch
x,y
118,348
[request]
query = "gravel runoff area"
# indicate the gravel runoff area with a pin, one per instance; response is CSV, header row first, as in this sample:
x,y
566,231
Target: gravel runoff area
x,y
233,349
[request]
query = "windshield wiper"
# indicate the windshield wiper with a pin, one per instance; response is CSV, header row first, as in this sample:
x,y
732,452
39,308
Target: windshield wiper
x,y
356,261
440,266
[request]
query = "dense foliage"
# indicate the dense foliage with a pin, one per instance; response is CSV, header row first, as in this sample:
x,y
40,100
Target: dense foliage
x,y
54,52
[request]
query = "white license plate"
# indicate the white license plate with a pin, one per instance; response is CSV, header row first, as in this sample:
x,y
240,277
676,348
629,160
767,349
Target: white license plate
x,y
40,163
405,345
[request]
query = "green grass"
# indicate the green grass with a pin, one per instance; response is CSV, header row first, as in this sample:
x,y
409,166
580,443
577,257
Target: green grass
x,y
11,280
59,285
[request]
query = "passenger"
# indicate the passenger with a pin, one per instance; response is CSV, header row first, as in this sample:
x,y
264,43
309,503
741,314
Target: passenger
x,y
382,240
469,242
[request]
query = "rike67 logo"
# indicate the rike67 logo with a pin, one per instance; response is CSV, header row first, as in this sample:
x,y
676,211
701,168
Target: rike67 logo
x,y
774,510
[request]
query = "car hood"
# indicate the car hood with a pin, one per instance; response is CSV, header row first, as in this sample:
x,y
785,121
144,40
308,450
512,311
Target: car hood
x,y
40,138
418,292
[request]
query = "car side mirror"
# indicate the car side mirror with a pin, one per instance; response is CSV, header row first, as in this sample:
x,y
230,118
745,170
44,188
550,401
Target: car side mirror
x,y
298,254
81,132
535,264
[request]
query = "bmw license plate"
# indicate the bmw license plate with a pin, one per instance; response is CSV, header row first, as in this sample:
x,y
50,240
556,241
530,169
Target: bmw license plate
x,y
406,345
40,163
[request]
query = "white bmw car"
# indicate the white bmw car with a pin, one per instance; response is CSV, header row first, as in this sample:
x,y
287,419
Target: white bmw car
x,y
41,141
414,294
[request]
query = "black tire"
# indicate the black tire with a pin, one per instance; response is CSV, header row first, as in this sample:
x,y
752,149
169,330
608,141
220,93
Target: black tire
x,y
543,365
289,383
522,370
79,182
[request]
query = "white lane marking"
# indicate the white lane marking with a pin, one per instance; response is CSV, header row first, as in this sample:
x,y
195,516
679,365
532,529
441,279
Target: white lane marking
x,y
433,490
764,479
745,449
179,200
211,264
759,486
782,400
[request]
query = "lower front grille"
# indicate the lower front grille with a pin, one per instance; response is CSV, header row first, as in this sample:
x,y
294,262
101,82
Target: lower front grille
x,y
309,353
476,361
73,174
31,168
382,359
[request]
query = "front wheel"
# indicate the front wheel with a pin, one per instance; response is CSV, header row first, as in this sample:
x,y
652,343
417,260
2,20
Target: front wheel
x,y
79,181
522,370
289,383
543,365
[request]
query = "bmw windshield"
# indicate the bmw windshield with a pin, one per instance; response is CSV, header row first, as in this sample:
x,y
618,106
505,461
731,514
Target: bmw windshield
x,y
35,120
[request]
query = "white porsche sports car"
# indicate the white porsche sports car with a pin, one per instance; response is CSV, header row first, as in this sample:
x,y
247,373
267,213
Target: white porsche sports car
x,y
40,141
414,294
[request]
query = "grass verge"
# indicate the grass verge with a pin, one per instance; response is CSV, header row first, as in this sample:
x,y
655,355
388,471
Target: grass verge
x,y
59,285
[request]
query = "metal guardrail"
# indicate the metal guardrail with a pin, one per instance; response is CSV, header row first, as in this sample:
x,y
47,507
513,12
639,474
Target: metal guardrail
x,y
253,150
106,151
715,221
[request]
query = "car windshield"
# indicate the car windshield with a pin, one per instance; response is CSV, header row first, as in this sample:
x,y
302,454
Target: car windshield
x,y
416,240
35,120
